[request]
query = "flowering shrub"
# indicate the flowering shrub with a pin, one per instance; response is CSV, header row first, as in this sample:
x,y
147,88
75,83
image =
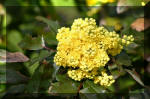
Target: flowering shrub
x,y
85,47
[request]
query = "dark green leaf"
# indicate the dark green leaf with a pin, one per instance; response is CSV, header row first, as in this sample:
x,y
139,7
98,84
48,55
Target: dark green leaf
x,y
64,85
123,59
16,89
30,43
52,25
34,83
41,79
2,74
92,88
135,76
55,70
140,93
14,77
42,55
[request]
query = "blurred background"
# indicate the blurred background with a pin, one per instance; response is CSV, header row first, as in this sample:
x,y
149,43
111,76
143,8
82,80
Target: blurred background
x,y
29,27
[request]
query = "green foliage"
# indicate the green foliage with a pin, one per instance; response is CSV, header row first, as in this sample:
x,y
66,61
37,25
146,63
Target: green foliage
x,y
32,31
64,85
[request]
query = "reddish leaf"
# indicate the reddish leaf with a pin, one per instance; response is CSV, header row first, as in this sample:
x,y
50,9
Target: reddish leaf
x,y
13,57
140,24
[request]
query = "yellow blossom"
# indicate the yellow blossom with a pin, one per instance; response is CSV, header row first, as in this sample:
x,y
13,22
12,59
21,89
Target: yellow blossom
x,y
85,47
104,79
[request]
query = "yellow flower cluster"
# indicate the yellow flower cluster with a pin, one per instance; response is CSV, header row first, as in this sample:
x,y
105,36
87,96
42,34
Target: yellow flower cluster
x,y
104,80
80,74
85,48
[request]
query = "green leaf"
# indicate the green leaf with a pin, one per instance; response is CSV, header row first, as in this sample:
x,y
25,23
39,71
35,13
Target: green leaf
x,y
134,3
2,74
51,24
55,70
30,43
140,93
91,90
13,39
42,55
14,77
135,76
124,83
34,83
109,28
64,85
16,89
63,2
50,37
41,79
123,59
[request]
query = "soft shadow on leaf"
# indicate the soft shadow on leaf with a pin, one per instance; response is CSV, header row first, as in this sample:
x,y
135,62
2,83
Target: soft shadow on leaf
x,y
123,59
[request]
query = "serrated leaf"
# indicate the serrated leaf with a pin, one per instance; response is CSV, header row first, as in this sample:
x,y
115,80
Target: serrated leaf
x,y
123,59
135,76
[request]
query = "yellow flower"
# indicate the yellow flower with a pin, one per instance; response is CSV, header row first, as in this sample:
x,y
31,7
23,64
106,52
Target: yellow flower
x,y
85,47
104,80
